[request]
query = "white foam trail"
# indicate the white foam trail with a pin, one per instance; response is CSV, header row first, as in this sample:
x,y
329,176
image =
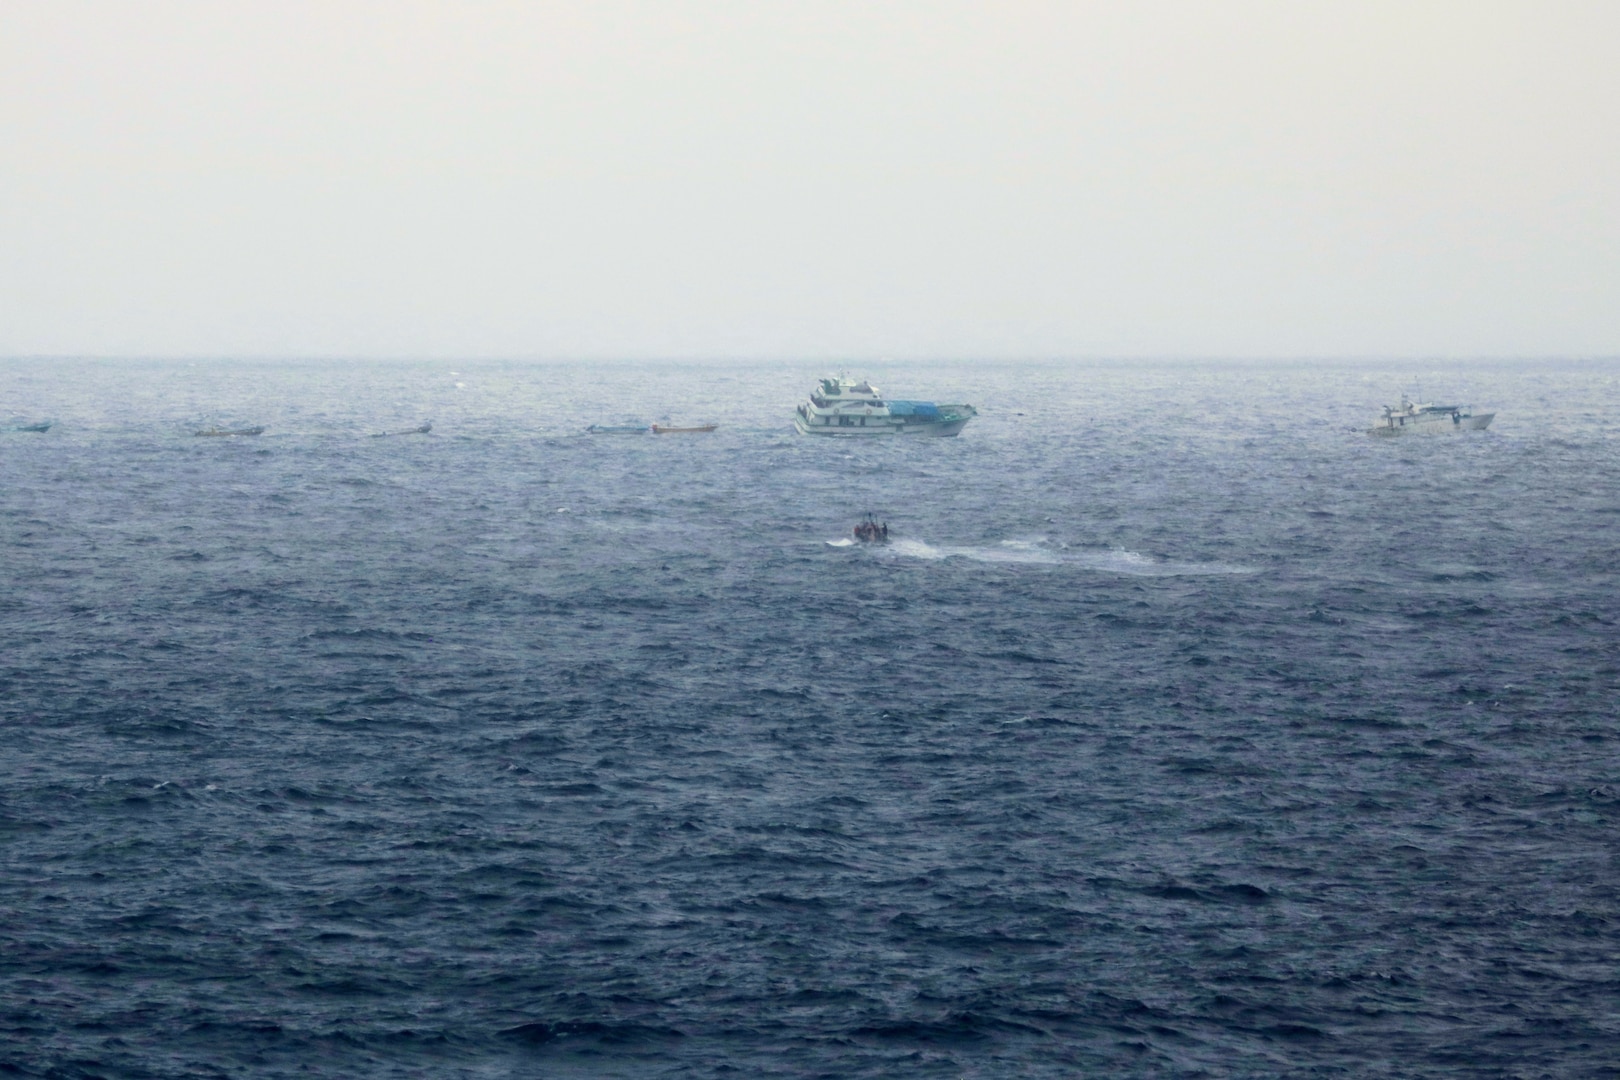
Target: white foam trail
x,y
916,549
1035,552
1136,564
1012,551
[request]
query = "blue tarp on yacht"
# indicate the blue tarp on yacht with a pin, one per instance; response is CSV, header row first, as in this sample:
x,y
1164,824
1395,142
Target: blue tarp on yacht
x,y
913,408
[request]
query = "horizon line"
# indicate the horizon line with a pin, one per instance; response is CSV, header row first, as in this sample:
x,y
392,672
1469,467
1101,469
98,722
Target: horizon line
x,y
727,358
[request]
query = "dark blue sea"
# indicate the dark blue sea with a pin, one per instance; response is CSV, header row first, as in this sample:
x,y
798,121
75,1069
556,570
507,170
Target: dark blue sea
x,y
1183,729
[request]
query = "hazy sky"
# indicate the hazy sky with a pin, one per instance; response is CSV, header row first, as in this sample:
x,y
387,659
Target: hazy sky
x,y
810,179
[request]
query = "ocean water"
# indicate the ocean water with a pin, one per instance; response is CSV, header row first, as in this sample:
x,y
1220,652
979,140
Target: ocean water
x,y
1183,729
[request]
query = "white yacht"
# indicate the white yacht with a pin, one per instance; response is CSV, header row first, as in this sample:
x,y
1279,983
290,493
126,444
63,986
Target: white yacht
x,y
843,406
1425,417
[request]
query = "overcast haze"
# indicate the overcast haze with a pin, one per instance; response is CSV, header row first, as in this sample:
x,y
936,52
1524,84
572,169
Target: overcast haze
x,y
808,180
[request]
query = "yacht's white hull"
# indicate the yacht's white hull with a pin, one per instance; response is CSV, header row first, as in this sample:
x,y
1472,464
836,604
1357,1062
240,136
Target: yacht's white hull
x,y
883,426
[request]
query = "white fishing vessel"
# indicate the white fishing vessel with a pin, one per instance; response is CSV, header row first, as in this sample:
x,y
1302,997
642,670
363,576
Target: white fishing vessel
x,y
219,432
843,406
1426,417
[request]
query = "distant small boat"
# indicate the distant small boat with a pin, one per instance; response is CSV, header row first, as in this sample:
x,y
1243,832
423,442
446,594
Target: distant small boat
x,y
665,429
215,432
617,429
422,430
43,425
1426,417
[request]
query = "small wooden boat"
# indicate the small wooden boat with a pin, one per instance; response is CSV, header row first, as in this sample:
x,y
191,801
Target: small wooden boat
x,y
617,429
421,430
215,432
665,429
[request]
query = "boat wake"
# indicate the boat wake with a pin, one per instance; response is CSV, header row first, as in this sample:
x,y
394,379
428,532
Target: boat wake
x,y
1136,564
1041,553
1009,551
